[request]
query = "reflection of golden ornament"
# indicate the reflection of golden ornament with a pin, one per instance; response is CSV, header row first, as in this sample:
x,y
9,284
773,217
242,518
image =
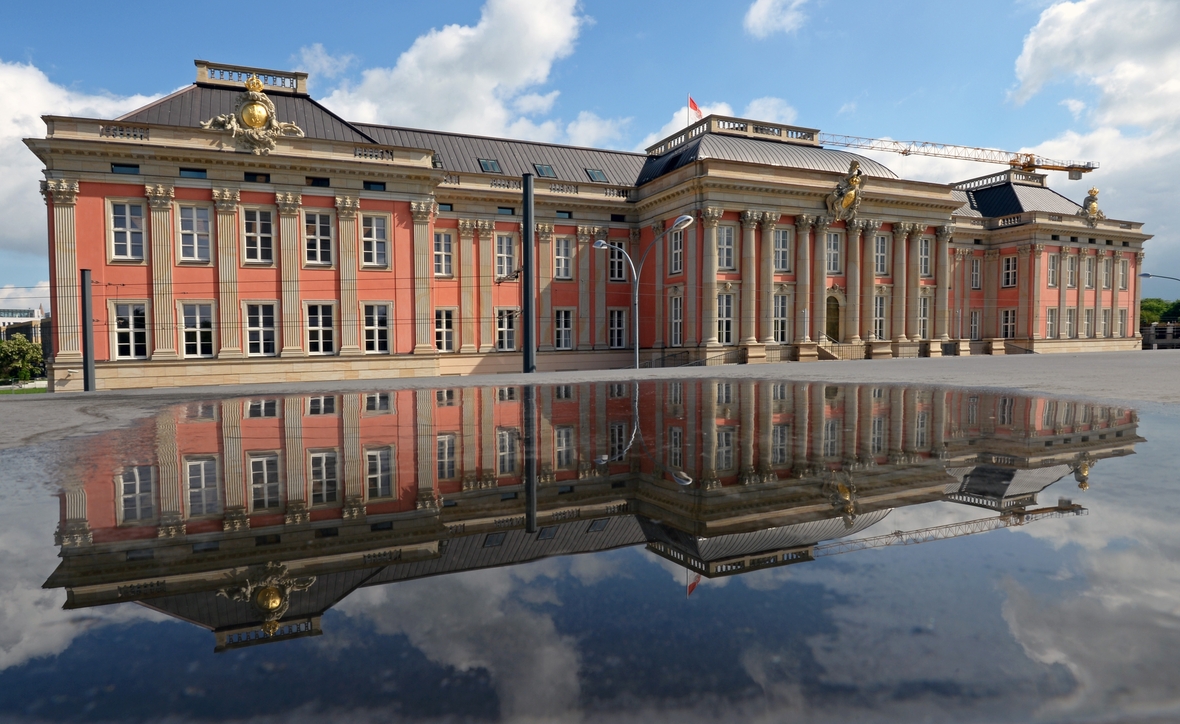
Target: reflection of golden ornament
x,y
254,114
270,627
253,83
269,598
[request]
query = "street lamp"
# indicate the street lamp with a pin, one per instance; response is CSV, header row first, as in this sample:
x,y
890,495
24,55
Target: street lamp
x,y
682,222
681,477
1145,275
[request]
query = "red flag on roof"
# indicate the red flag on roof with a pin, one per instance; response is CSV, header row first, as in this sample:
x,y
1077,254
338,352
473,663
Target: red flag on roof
x,y
693,586
694,108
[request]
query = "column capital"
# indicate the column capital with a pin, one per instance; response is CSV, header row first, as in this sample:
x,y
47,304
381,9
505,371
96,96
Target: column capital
x,y
64,192
634,235
423,211
1139,256
962,253
823,222
869,226
1038,249
585,234
750,218
803,223
657,227
485,226
712,216
544,232
945,232
347,206
901,229
466,228
1024,250
918,228
601,232
159,196
770,220
991,254
225,199
288,202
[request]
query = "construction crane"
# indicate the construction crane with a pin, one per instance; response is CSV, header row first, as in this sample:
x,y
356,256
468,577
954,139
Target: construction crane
x,y
1020,160
1015,518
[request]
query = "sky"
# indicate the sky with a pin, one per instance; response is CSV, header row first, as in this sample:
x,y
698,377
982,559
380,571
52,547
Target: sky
x,y
1090,80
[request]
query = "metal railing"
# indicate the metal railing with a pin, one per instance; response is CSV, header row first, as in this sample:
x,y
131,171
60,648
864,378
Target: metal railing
x,y
842,350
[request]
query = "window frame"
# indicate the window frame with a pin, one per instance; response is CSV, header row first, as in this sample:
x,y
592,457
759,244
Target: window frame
x,y
1009,266
376,331
1071,271
1007,324
113,315
248,329
616,261
1051,323
725,334
183,329
1053,274
210,233
388,476
446,467
881,255
1124,274
727,251
501,260
258,235
833,253
305,240
880,317
507,315
676,320
976,273
325,455
444,335
597,175
152,494
781,318
490,165
782,255
112,230
218,503
567,258
507,451
1090,272
444,254
279,489
617,323
377,244
925,256
307,328
566,314
676,252
1107,272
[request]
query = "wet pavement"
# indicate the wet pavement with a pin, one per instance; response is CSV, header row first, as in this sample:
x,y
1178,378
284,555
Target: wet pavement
x,y
688,549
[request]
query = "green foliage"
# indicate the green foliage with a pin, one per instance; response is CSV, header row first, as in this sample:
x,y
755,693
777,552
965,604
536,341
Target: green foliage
x,y
1152,308
20,358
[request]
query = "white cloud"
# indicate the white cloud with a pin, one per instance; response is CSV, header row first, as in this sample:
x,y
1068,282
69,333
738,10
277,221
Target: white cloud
x,y
767,17
1074,106
14,297
849,107
767,108
535,103
318,62
590,130
26,94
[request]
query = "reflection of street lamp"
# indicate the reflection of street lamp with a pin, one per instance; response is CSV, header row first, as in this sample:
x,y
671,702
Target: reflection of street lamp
x,y
682,222
681,477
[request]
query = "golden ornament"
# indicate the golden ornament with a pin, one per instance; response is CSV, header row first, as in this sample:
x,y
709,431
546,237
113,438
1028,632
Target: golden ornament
x,y
253,83
255,114
269,598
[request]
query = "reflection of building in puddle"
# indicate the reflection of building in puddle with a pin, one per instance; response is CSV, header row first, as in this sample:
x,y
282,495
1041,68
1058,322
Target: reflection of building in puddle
x,y
252,517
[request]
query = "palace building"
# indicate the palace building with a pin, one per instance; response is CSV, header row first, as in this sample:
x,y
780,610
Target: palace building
x,y
238,231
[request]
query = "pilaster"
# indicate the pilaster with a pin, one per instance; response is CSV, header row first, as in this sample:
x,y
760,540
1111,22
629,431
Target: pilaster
x,y
943,279
692,286
295,468
991,291
852,275
585,249
600,272
661,299
232,475
803,224
290,261
1083,277
467,314
159,198
355,468
766,279
346,212
62,194
427,498
487,319
545,269
869,229
914,281
226,201
171,490
898,297
819,284
749,333
1133,279
712,216
1099,278
423,213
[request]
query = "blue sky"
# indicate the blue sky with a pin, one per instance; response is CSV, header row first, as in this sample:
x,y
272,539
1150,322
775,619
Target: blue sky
x,y
1085,80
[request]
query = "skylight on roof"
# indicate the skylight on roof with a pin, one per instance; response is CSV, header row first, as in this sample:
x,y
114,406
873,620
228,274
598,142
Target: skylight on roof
x,y
490,165
596,174
544,170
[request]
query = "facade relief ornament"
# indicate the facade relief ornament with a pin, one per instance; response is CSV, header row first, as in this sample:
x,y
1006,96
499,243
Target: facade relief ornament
x,y
544,232
466,228
62,191
347,206
945,232
991,254
267,588
803,223
870,226
1090,210
750,218
253,125
585,234
635,233
823,222
1023,251
844,200
712,216
601,232
423,211
288,202
485,227
657,227
159,196
769,220
226,199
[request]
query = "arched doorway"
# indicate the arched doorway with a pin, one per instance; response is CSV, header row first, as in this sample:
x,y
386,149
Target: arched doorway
x,y
833,319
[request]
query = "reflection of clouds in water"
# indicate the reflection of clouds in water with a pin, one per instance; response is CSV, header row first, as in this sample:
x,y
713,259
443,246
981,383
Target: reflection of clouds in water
x,y
478,619
677,571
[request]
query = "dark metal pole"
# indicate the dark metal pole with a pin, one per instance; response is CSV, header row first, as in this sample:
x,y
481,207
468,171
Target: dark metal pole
x,y
530,459
529,270
87,334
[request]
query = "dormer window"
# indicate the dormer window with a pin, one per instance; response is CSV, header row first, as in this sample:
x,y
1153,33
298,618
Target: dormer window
x,y
544,170
597,175
490,165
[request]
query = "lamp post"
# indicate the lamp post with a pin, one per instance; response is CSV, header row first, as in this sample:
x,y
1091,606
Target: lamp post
x,y
682,222
678,475
1145,275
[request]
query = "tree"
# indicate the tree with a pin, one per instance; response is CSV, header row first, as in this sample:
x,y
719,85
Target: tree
x,y
1152,308
20,358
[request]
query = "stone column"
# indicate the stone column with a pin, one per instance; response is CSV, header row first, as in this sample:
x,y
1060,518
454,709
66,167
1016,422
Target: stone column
x,y
942,306
938,422
801,427
962,295
171,484
914,281
1136,291
469,441
1037,273
487,430
467,283
762,397
585,249
991,293
692,285
355,467
749,291
487,314
1083,254
747,432
232,476
601,262
295,467
1062,287
708,434
803,224
1023,290
159,198
864,422
709,278
852,428
426,452
819,289
346,211
544,263
766,278
67,317
852,278
661,299
290,262
229,313
423,212
868,274
899,280
896,423
815,428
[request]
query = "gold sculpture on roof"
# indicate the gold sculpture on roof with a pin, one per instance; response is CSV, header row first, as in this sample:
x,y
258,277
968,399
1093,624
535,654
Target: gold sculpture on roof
x,y
253,124
268,589
1090,208
844,200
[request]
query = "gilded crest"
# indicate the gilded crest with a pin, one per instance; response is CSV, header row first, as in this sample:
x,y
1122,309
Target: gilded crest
x,y
841,494
844,200
253,124
1090,208
268,589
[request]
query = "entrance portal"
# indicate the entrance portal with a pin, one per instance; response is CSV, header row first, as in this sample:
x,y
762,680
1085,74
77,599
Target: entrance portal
x,y
833,319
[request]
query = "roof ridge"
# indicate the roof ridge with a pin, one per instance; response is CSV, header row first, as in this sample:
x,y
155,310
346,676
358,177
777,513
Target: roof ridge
x,y
179,91
498,138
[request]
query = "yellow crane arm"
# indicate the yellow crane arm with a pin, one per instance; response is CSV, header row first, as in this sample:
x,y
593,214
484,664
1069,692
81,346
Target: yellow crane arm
x,y
1016,159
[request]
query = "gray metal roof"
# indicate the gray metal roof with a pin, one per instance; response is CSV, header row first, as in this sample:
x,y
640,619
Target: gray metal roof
x,y
997,482
461,153
752,150
190,106
1008,199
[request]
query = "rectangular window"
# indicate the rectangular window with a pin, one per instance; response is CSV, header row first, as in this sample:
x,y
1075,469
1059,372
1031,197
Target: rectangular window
x,y
506,451
723,456
318,238
262,408
617,328
725,235
976,276
675,447
127,168
1009,276
676,252
1071,322
321,405
1071,271
1122,323
375,186
1054,267
374,241
259,236
1008,323
323,478
725,319
131,331
563,329
1088,323
377,402
506,210
676,393
782,319
832,252
202,487
321,337
563,258
975,331
506,394
444,330
260,330
489,165
877,438
782,250
256,178
1105,331
194,233
923,317
618,441
617,264
563,392
597,175
780,444
1089,272
264,482
921,430
924,257
379,473
506,330
505,256
879,317
563,448
136,493
1051,323
676,321
1107,273
724,393
443,255
831,439
377,328
544,170
198,329
1005,411
444,446
1124,269
127,231
881,255
322,182
193,173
